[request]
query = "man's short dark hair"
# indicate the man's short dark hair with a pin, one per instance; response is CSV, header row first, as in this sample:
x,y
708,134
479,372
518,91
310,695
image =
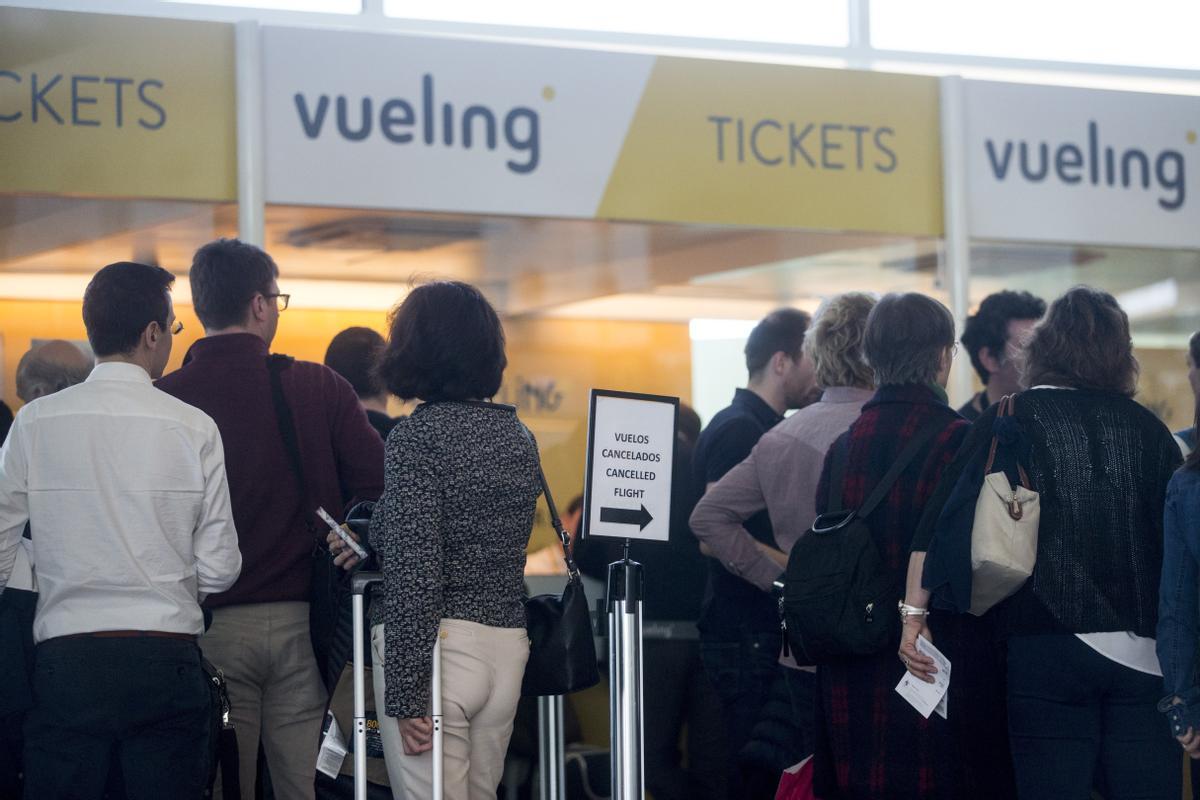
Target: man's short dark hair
x,y
688,427
120,301
576,504
988,327
905,338
445,343
354,354
781,331
225,275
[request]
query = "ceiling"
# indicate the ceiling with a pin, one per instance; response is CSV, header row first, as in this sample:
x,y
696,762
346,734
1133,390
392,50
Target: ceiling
x,y
582,268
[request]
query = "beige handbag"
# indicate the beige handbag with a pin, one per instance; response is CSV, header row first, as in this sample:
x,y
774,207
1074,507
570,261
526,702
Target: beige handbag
x,y
1004,536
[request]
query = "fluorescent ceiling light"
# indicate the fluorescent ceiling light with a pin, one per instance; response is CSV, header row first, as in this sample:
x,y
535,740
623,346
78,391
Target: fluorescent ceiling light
x,y
324,6
309,294
816,22
702,330
1147,301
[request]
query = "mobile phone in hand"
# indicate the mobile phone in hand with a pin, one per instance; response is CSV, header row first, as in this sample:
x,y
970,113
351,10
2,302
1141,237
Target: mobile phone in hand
x,y
342,534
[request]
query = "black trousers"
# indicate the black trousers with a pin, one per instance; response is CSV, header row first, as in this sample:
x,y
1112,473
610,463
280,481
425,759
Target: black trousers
x,y
751,684
678,697
1077,719
137,705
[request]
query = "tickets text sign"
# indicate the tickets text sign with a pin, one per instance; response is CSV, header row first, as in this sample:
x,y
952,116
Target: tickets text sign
x,y
627,489
116,106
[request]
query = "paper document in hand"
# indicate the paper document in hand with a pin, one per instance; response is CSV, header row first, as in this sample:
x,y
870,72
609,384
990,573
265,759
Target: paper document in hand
x,y
927,697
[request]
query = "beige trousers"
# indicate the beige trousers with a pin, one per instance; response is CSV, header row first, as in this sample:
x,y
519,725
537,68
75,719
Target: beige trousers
x,y
482,668
275,692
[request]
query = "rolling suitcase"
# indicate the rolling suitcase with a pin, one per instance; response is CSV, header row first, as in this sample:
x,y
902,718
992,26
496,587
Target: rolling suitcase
x,y
360,584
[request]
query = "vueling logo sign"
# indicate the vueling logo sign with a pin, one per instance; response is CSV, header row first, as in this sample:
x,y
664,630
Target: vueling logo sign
x,y
1096,163
404,121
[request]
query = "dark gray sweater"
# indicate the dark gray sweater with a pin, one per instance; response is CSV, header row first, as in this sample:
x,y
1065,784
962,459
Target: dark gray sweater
x,y
1101,463
460,486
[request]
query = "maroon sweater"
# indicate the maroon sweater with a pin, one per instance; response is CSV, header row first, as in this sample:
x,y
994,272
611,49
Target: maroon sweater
x,y
226,377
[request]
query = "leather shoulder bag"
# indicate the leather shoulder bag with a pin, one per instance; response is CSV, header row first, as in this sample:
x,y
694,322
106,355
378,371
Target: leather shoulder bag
x,y
562,652
1004,536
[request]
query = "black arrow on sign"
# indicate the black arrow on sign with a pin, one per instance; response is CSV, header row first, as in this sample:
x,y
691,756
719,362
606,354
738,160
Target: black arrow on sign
x,y
626,516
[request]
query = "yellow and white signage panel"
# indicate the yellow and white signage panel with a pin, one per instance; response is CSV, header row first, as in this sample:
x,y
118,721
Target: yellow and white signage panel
x,y
386,121
94,104
1047,163
758,144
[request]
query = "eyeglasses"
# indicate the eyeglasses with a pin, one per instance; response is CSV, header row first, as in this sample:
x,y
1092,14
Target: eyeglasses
x,y
281,300
177,328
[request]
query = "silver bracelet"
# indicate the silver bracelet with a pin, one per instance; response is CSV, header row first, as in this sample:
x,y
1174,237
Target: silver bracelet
x,y
907,611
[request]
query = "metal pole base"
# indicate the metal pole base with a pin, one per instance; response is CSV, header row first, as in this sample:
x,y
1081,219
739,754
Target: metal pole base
x,y
625,678
552,779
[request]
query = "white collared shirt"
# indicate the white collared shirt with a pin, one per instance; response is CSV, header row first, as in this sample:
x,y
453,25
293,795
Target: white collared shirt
x,y
124,489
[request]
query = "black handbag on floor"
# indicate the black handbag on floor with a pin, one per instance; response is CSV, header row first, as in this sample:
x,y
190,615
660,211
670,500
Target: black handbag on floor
x,y
562,653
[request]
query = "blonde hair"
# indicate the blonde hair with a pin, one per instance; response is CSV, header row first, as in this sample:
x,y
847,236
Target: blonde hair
x,y
835,341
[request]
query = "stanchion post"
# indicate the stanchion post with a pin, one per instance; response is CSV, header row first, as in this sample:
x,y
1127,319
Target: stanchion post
x,y
625,677
552,783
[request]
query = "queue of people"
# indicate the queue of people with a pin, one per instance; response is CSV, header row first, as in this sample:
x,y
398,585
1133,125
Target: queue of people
x,y
167,524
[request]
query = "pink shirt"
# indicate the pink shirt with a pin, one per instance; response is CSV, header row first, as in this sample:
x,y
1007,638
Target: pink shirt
x,y
781,475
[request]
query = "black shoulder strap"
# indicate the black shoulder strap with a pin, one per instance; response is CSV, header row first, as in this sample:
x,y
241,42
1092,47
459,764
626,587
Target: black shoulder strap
x,y
276,364
902,461
563,537
837,476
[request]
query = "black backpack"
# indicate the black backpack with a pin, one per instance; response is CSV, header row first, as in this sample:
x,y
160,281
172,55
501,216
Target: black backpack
x,y
839,598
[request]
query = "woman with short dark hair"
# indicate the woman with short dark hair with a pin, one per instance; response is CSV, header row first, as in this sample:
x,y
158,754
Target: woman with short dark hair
x,y
460,485
870,743
1083,677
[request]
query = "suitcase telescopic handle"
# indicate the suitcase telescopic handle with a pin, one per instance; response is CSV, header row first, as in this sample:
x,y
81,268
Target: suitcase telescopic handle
x,y
361,581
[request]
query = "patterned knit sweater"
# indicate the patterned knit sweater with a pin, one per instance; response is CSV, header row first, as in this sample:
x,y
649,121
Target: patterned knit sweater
x,y
1102,463
460,486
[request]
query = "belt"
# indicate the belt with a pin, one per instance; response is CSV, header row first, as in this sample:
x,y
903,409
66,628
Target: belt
x,y
183,637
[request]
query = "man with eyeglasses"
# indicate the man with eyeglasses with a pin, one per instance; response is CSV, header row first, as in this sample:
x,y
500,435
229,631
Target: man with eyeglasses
x,y
280,470
124,489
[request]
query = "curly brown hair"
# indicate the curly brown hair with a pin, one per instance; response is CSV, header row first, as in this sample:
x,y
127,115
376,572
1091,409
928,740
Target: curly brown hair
x,y
835,341
1083,343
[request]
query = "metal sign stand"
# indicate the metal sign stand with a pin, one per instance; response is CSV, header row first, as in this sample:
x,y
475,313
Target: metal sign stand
x,y
625,677
552,783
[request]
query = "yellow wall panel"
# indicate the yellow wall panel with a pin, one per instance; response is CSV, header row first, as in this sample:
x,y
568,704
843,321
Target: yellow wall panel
x,y
553,363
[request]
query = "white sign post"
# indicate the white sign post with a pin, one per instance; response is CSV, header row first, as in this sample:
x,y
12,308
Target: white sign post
x,y
627,495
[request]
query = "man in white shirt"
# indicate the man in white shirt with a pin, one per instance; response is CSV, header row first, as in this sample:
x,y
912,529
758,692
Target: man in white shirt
x,y
124,489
